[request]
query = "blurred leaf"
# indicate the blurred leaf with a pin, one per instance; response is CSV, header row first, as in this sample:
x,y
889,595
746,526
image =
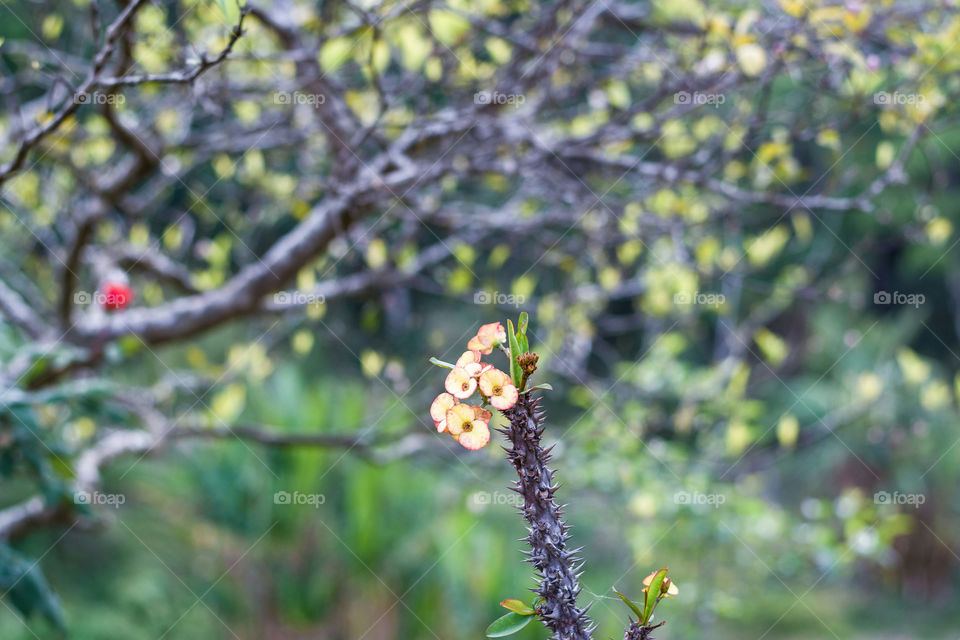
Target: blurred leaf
x,y
517,606
508,625
335,52
231,10
448,26
752,59
24,584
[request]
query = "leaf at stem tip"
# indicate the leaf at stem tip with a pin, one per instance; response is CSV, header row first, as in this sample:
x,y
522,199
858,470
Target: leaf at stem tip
x,y
517,606
653,594
522,332
231,10
441,363
508,625
515,371
543,386
630,604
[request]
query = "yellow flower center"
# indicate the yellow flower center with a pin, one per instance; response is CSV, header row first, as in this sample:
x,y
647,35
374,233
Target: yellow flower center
x,y
468,426
497,391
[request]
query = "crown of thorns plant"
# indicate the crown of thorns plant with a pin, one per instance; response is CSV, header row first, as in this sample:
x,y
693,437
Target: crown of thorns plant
x,y
558,568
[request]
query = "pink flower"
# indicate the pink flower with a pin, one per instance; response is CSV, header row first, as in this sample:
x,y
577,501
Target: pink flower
x,y
470,361
499,389
460,383
439,408
668,588
468,357
488,337
469,425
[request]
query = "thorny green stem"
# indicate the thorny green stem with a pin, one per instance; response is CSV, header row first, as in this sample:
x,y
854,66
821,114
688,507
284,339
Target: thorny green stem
x,y
558,568
557,577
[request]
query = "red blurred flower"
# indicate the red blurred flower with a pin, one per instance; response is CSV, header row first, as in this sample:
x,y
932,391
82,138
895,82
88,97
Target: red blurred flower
x,y
115,296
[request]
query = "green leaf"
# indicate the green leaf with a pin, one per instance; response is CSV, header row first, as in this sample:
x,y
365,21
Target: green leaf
x,y
517,606
653,594
631,604
523,322
23,583
36,369
335,52
447,26
508,625
543,386
441,363
231,9
522,332
515,371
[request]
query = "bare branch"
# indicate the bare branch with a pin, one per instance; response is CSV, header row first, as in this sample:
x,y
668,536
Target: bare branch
x,y
20,313
79,97
182,76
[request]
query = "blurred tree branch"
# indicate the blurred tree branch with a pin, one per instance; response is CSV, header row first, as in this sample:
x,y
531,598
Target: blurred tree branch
x,y
20,518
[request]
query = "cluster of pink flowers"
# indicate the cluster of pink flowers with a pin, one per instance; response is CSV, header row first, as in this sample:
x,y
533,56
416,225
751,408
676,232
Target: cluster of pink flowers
x,y
469,424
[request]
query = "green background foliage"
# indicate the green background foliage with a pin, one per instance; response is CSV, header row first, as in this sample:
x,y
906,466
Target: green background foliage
x,y
731,398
